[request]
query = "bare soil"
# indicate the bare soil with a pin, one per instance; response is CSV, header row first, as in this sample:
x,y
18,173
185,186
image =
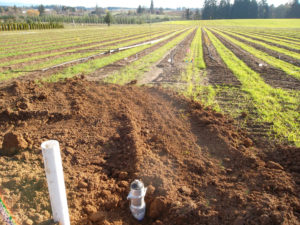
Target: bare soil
x,y
217,71
199,168
272,76
173,64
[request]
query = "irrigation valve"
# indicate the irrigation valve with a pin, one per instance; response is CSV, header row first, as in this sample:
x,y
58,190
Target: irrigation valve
x,y
136,196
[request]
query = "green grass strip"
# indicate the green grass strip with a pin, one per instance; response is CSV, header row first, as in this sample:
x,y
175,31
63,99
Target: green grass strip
x,y
92,65
271,40
194,75
271,47
276,37
68,44
286,67
11,74
73,51
272,104
136,69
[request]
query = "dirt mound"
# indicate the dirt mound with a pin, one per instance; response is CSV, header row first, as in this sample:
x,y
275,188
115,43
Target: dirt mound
x,y
198,167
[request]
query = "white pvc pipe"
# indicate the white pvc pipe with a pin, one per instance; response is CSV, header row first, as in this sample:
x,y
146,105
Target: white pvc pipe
x,y
56,183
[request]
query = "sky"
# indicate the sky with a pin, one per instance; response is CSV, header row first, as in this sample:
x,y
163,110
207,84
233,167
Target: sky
x,y
122,3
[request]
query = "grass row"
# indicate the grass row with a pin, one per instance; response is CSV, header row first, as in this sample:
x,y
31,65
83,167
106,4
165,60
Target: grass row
x,y
135,70
273,105
194,75
24,38
93,65
271,47
277,63
90,50
41,35
277,33
276,37
11,74
44,40
95,38
65,45
273,40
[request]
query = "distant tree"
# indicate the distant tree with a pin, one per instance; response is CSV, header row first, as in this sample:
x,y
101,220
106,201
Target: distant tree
x,y
41,9
253,10
108,19
15,8
294,11
281,11
188,14
223,10
139,10
209,9
98,11
161,10
263,9
197,15
152,7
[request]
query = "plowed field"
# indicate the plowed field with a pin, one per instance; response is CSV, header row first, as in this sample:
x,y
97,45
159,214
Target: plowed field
x,y
205,114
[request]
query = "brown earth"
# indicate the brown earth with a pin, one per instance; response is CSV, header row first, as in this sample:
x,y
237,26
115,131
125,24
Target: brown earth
x,y
199,168
173,64
217,71
275,54
272,76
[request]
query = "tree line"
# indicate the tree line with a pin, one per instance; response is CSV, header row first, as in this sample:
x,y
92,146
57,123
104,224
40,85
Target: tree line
x,y
246,9
29,26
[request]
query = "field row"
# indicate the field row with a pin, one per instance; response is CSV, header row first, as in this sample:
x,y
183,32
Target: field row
x,y
31,63
233,84
253,76
65,44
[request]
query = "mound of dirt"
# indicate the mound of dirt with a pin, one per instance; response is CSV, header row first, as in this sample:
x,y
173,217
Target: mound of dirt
x,y
198,167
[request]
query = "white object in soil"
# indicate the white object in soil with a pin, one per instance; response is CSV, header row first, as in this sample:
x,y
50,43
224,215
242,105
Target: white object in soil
x,y
136,196
56,183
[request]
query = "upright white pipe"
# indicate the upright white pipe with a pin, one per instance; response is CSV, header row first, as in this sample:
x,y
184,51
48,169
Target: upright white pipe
x,y
55,180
